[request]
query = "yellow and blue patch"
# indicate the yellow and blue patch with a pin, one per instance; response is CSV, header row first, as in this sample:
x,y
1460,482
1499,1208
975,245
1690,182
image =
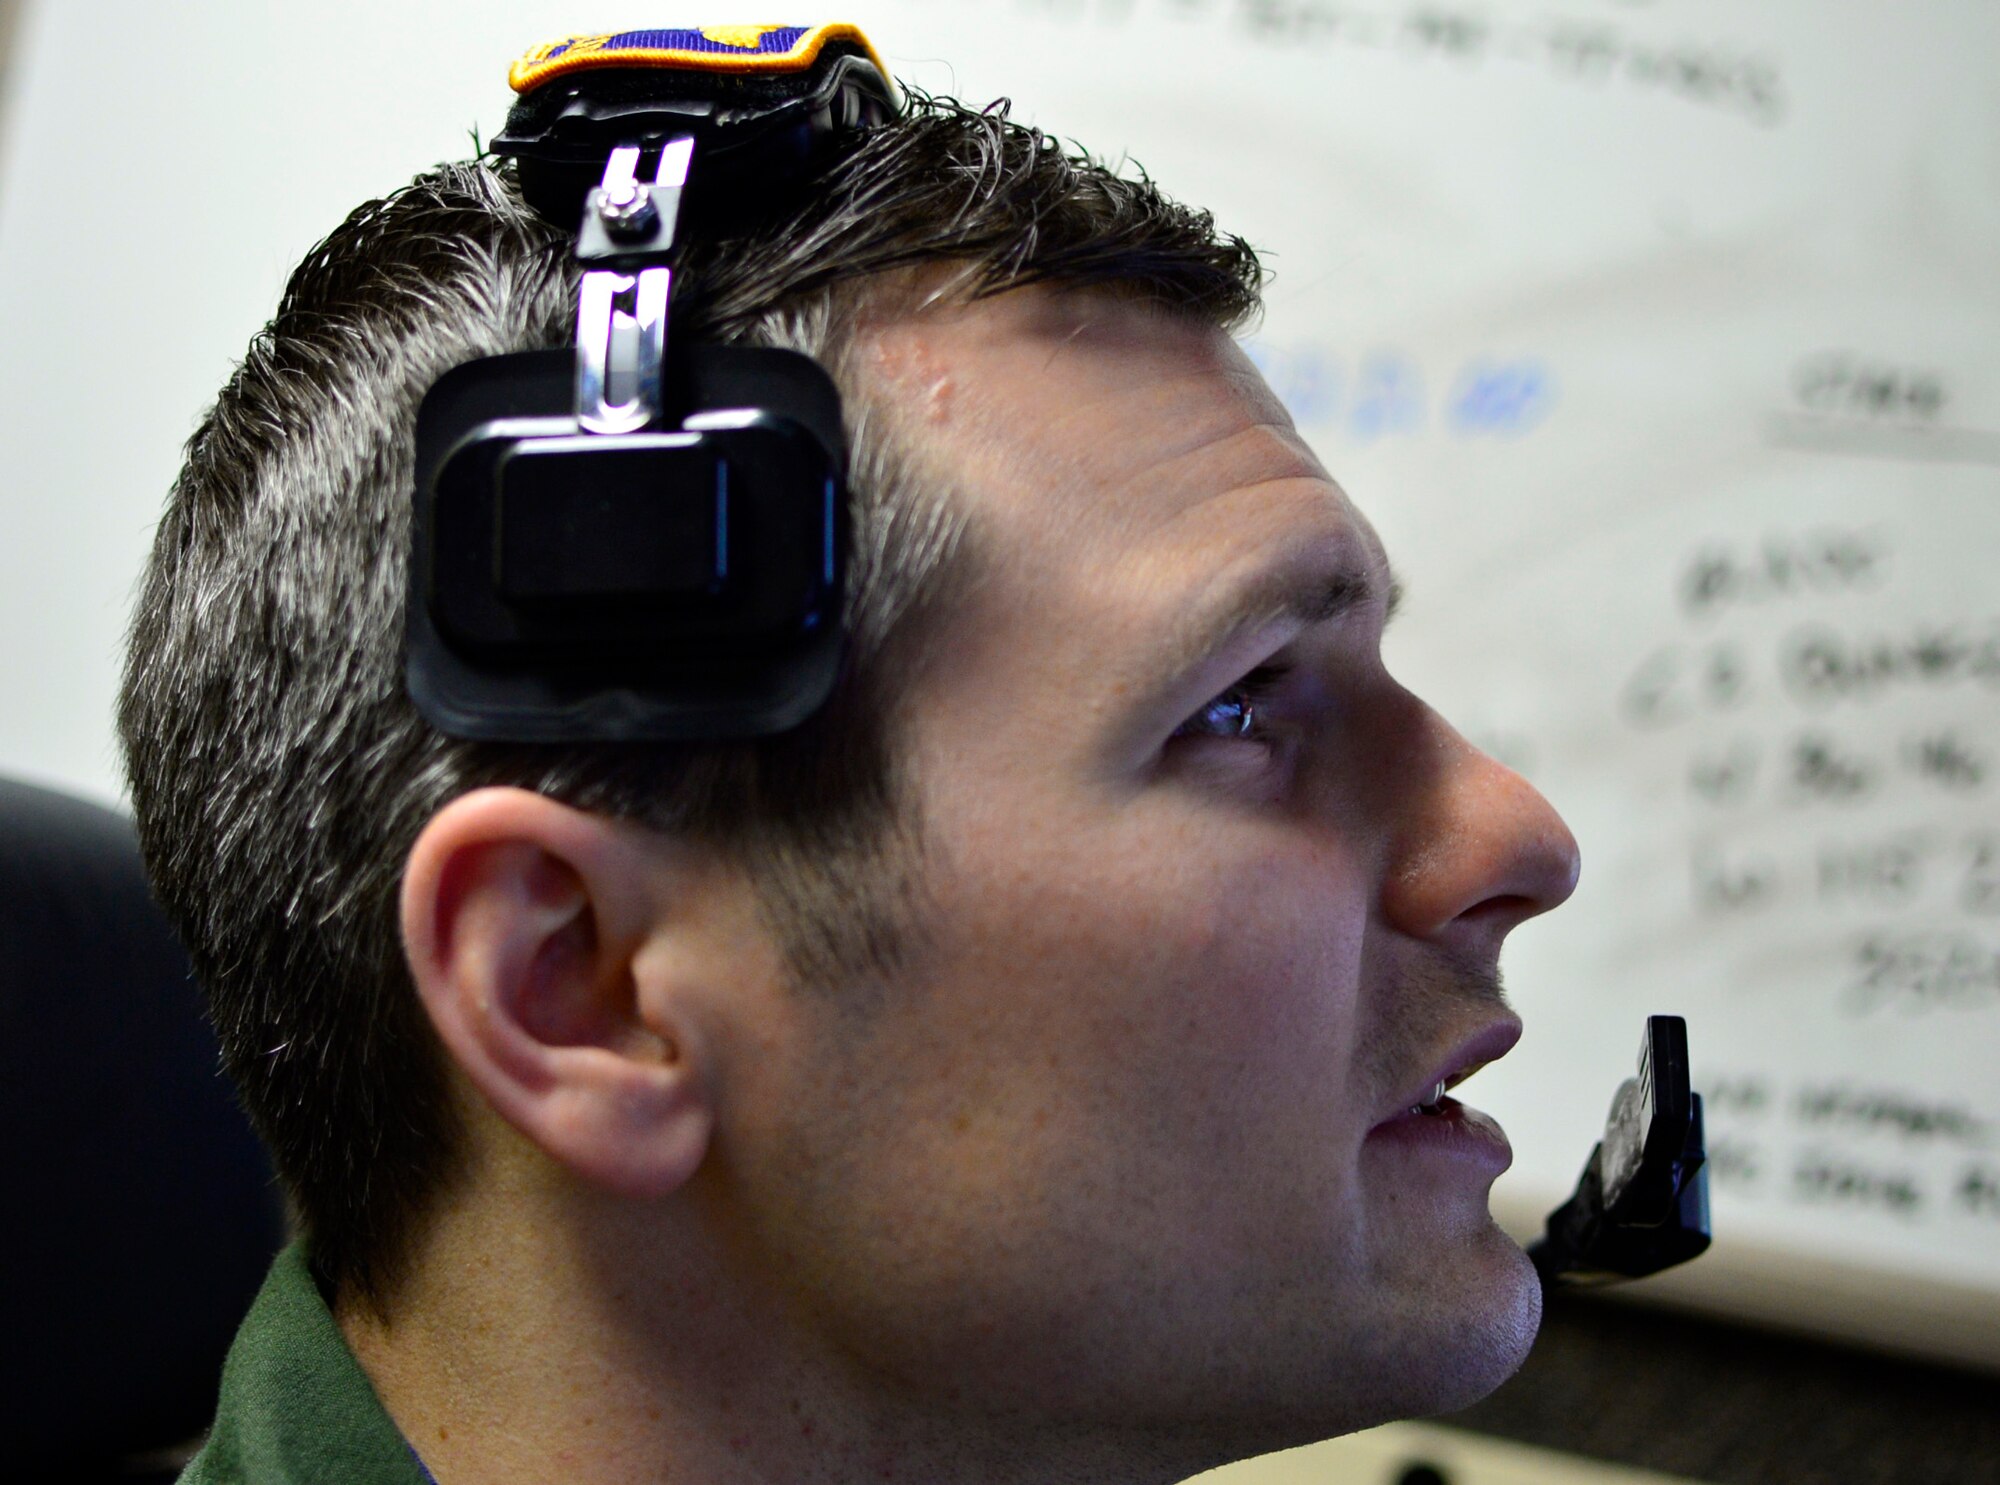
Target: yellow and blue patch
x,y
707,48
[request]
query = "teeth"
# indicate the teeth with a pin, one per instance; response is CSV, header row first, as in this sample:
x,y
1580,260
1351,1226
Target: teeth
x,y
1430,1105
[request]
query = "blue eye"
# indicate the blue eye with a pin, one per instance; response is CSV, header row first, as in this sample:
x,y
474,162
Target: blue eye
x,y
1234,713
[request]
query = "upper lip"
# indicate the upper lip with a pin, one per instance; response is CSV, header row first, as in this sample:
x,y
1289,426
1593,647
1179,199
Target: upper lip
x,y
1488,1044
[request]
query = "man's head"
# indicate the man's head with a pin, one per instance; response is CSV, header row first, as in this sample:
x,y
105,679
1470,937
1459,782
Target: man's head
x,y
1030,1028
281,774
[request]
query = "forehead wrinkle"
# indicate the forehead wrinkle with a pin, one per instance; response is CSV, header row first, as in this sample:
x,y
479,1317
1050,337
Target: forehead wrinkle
x,y
1179,459
1208,398
1224,462
1082,472
1105,353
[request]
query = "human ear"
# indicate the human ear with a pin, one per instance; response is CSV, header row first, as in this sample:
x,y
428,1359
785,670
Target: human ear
x,y
524,923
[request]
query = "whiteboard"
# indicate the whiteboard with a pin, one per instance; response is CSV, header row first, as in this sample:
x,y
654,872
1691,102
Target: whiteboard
x,y
1660,340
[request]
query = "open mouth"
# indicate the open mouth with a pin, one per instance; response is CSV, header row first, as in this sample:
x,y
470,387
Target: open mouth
x,y
1438,1103
1429,1105
1427,1124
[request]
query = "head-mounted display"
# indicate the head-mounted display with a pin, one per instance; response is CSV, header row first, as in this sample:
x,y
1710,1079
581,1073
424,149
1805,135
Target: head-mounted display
x,y
643,537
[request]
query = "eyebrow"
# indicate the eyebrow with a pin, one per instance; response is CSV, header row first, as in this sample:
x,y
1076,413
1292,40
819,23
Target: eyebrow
x,y
1292,593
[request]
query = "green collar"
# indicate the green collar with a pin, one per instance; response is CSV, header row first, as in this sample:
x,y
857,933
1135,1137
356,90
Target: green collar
x,y
296,1407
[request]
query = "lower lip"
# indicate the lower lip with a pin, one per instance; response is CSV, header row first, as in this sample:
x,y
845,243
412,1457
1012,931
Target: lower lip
x,y
1454,1131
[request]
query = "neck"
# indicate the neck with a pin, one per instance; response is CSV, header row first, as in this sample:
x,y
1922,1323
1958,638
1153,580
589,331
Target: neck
x,y
530,1344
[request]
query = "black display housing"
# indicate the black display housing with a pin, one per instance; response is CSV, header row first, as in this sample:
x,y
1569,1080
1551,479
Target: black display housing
x,y
664,585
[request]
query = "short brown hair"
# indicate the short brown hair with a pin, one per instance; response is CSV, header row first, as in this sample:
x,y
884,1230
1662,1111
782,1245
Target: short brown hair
x,y
279,772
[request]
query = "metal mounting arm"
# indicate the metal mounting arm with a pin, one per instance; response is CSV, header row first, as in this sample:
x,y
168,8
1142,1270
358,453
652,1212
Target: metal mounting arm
x,y
621,318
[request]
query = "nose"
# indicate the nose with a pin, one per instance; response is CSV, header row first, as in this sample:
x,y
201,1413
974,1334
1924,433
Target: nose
x,y
1476,851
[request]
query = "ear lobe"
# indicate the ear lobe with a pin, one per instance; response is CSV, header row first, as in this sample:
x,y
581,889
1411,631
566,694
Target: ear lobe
x,y
521,920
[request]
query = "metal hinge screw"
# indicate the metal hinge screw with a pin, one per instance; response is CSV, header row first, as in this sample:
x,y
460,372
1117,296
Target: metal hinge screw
x,y
627,211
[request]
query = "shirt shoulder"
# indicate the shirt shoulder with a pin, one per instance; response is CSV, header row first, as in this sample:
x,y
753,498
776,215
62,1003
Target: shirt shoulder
x,y
295,1407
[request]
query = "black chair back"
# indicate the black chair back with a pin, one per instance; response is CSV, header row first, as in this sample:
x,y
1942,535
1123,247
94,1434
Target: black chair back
x,y
140,1211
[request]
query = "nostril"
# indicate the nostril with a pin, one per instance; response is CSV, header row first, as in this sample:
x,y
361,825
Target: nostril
x,y
1500,915
1511,905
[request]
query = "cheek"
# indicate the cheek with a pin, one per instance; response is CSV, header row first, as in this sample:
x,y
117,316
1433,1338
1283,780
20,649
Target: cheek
x,y
1267,958
1119,1086
1186,989
1287,925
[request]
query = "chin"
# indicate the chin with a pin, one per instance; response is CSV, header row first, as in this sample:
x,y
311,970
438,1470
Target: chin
x,y
1491,1336
1427,1348
1460,1327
